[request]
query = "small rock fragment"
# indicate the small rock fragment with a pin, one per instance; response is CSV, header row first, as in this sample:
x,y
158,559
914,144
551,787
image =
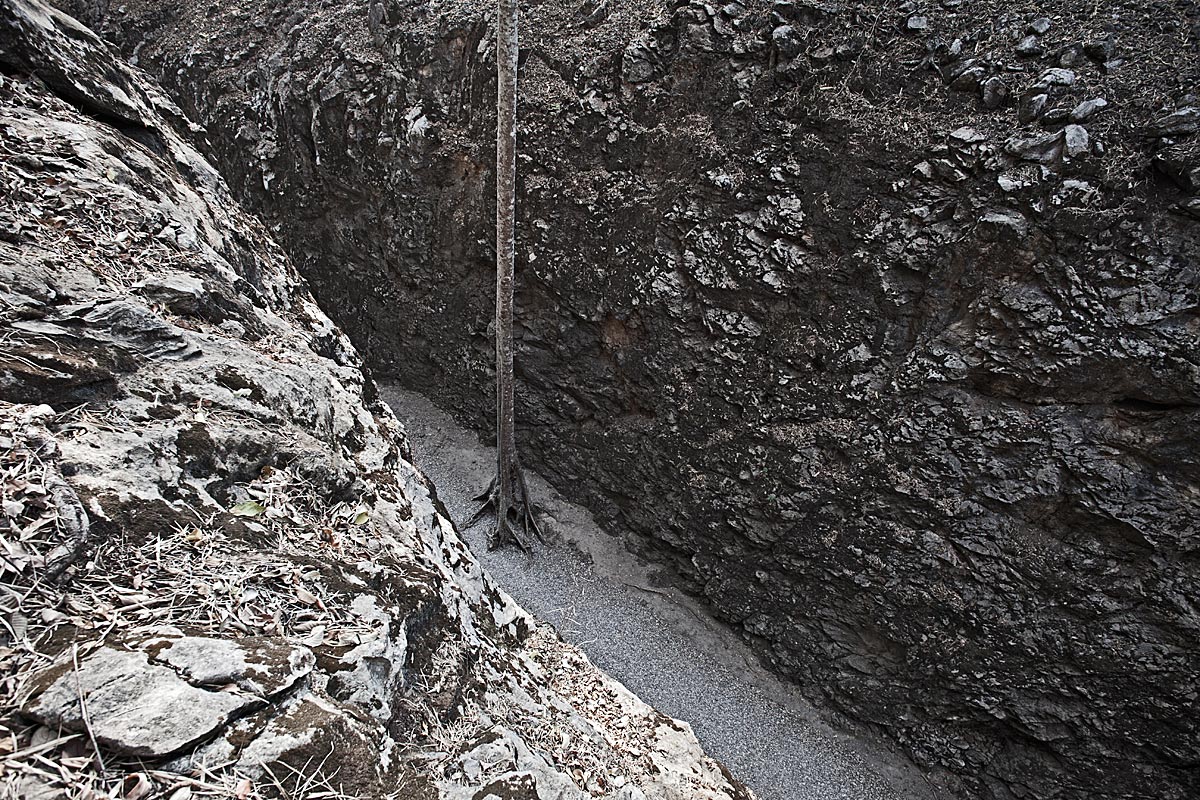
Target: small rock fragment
x,y
1075,140
1055,117
1008,183
788,41
1030,46
1005,223
1071,57
965,136
1087,108
1042,149
1057,76
1031,108
969,80
994,92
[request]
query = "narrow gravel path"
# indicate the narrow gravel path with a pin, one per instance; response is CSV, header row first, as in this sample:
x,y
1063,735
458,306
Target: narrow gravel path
x,y
655,640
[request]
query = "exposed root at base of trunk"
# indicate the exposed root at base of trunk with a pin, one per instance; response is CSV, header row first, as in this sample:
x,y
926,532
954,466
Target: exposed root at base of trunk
x,y
517,524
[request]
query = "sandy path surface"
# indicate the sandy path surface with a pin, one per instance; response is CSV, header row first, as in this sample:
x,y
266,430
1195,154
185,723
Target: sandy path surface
x,y
654,639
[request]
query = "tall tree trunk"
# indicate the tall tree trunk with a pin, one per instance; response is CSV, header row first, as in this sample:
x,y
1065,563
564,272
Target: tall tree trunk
x,y
507,494
506,201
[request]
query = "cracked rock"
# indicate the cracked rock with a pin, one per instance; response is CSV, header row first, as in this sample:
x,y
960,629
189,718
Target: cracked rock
x,y
1042,149
133,707
260,665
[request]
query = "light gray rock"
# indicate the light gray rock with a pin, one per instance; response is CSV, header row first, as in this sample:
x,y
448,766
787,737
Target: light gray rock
x,y
175,291
965,137
134,707
259,665
1043,148
1040,26
1011,223
1030,46
1075,140
1057,76
1088,108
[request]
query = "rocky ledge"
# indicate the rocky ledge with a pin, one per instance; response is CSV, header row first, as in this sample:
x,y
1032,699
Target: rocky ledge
x,y
221,575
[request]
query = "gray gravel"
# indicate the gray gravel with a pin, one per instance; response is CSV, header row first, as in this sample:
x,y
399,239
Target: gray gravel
x,y
655,640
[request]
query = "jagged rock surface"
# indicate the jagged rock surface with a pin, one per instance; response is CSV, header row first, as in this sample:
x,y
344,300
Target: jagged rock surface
x,y
877,323
218,563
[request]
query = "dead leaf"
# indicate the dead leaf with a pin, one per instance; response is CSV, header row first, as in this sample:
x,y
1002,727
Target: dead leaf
x,y
136,786
316,638
248,509
50,616
243,789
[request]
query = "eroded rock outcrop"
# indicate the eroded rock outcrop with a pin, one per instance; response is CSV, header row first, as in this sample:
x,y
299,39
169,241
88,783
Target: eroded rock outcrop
x,y
876,323
221,573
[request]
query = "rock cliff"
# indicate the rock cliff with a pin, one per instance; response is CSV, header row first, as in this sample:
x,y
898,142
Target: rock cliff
x,y
875,323
221,574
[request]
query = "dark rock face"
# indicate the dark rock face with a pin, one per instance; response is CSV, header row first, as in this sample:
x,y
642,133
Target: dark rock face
x,y
877,326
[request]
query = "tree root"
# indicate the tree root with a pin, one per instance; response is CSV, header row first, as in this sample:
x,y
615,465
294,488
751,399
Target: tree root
x,y
517,525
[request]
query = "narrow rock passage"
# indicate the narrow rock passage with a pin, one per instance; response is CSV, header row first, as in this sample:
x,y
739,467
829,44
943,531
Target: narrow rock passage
x,y
654,639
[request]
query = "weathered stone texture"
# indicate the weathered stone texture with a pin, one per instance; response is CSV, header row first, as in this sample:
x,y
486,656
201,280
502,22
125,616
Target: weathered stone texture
x,y
878,326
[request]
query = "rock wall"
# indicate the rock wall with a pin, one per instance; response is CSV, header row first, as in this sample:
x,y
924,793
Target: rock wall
x,y
220,573
876,323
